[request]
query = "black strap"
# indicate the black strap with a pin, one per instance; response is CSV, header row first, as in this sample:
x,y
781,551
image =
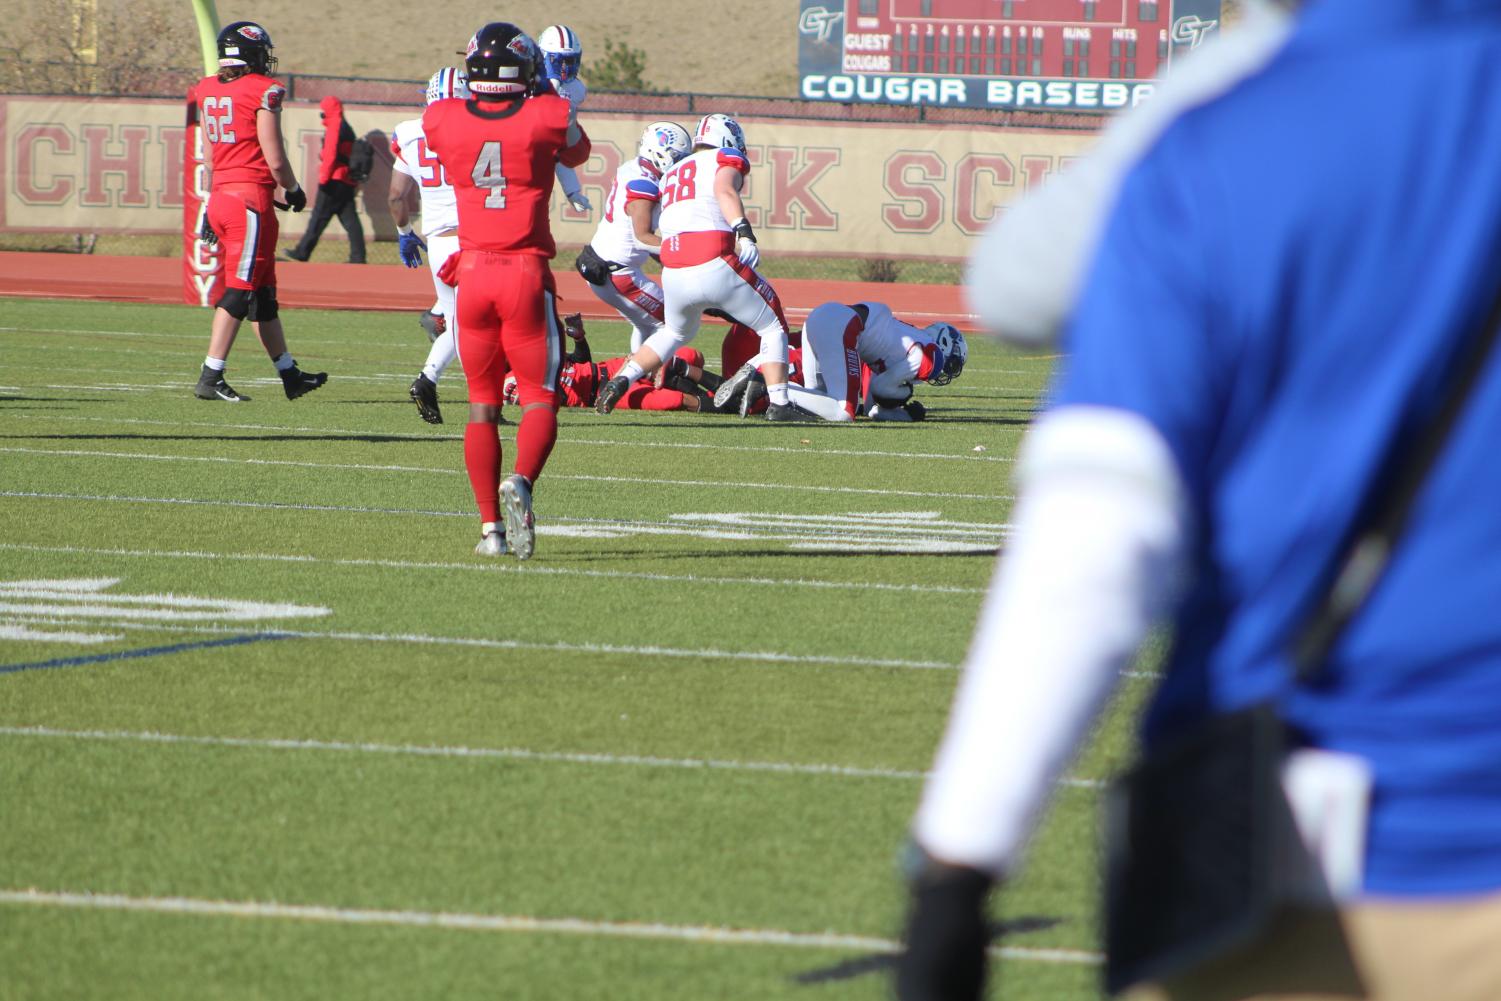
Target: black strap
x,y
1383,515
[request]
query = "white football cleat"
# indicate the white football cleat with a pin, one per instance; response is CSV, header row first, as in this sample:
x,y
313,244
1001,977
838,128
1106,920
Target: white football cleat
x,y
516,505
493,544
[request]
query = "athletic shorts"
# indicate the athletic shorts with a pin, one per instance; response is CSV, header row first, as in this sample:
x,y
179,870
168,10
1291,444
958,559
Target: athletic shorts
x,y
245,220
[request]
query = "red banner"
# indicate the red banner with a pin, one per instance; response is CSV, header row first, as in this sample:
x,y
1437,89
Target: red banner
x,y
202,265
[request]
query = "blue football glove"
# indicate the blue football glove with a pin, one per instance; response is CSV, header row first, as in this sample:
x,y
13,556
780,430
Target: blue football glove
x,y
410,246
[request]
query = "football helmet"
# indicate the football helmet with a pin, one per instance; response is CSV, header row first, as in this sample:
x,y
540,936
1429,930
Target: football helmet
x,y
501,60
561,52
245,43
449,81
662,145
719,132
953,352
508,390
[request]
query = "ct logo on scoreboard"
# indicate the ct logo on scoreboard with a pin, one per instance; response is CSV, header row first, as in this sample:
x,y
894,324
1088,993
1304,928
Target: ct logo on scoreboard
x,y
1192,29
819,21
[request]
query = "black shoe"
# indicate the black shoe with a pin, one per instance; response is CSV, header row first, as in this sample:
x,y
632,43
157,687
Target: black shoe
x,y
292,255
729,391
298,383
433,324
755,389
789,412
211,386
610,394
425,394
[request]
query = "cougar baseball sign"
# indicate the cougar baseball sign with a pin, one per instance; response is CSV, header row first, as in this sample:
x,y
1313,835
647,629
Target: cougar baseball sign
x,y
1053,55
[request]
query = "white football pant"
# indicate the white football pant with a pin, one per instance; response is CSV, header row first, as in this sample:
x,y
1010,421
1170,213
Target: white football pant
x,y
637,298
715,284
445,348
831,365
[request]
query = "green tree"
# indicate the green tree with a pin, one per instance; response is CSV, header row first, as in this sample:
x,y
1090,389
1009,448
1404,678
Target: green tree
x,y
621,67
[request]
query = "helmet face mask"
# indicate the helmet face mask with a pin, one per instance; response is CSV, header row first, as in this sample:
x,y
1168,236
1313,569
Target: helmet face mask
x,y
245,43
954,351
449,81
719,132
561,52
662,145
501,61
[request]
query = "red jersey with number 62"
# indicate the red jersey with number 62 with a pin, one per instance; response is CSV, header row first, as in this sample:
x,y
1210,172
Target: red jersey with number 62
x,y
688,202
499,157
226,114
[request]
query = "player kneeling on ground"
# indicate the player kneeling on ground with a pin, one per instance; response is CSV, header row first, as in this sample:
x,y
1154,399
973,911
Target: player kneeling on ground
x,y
239,112
845,348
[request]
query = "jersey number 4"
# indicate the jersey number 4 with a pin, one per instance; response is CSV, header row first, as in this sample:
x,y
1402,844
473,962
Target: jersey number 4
x,y
216,128
487,173
679,183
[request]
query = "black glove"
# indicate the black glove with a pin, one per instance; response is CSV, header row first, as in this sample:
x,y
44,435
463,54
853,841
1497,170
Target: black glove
x,y
206,233
947,935
296,199
915,410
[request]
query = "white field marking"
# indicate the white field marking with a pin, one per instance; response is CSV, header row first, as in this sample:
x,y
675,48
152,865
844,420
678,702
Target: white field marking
x,y
506,568
304,339
707,653
18,632
86,598
497,753
609,443
363,467
447,920
856,533
259,380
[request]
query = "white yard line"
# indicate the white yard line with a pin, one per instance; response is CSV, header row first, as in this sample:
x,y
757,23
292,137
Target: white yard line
x,y
485,643
702,934
564,438
505,568
492,753
302,339
453,471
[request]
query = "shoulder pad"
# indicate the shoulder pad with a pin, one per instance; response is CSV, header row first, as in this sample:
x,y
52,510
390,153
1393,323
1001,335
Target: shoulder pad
x,y
733,158
642,187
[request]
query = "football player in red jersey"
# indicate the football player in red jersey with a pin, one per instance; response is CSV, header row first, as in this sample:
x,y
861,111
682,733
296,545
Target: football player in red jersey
x,y
240,116
499,149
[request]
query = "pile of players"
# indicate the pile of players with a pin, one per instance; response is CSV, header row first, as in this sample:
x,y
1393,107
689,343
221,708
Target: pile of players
x,y
483,157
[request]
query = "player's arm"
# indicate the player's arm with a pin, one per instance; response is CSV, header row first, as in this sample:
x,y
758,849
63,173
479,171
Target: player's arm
x,y
274,149
576,144
573,326
639,209
402,187
728,180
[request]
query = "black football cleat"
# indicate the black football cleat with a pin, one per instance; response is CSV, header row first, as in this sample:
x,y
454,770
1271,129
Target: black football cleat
x,y
299,383
211,386
610,394
729,391
789,412
755,389
424,393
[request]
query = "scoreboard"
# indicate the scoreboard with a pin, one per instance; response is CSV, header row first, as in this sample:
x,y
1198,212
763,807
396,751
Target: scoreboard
x,y
1045,55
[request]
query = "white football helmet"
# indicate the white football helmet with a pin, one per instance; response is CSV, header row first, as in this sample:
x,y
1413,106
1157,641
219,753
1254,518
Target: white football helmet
x,y
450,81
561,52
719,132
662,145
953,348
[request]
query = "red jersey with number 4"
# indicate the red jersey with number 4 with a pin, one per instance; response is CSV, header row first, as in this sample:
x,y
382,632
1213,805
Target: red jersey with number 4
x,y
499,157
226,115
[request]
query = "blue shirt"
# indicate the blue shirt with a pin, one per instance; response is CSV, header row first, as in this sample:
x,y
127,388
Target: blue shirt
x,y
1281,282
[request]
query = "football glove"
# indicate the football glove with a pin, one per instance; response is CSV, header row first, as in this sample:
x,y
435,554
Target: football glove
x,y
745,243
947,935
410,246
206,233
296,199
915,410
579,201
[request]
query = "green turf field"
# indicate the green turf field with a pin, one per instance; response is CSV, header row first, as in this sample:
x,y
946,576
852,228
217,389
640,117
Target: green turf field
x,y
672,756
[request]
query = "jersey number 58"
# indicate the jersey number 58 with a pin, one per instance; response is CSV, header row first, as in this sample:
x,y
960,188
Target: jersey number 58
x,y
679,183
487,173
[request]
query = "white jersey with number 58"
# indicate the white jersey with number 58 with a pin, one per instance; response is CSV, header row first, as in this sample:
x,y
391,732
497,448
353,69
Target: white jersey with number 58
x,y
440,210
688,202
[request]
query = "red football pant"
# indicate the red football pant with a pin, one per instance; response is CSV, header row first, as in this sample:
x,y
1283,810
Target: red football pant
x,y
507,324
245,220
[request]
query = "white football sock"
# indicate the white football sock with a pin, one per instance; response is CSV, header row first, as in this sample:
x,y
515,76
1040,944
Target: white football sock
x,y
285,361
777,394
217,364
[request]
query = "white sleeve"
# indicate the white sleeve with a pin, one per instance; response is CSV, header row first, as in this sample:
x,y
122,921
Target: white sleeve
x,y
1091,563
1025,272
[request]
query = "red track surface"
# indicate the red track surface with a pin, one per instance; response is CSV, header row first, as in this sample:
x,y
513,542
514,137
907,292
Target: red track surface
x,y
390,287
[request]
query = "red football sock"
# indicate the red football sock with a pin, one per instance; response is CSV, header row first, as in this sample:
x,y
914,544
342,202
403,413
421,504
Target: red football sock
x,y
535,436
482,459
